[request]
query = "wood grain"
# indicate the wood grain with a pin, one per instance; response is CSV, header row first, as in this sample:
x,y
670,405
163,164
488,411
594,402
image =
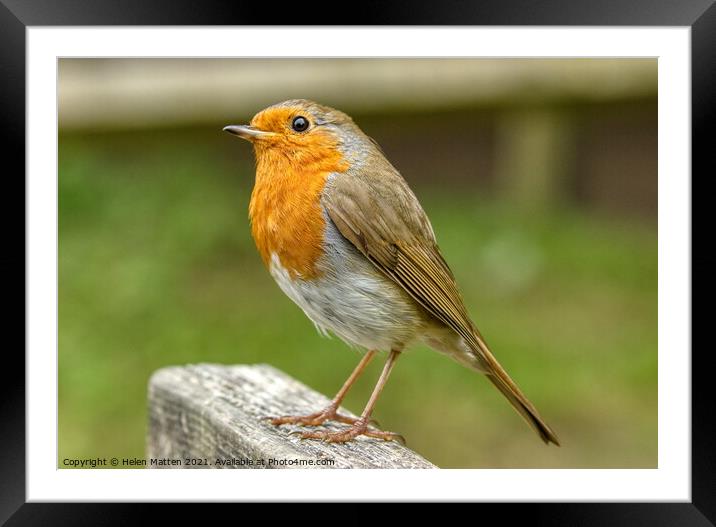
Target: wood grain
x,y
215,414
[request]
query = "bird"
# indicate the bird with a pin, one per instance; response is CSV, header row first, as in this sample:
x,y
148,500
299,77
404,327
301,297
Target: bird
x,y
347,240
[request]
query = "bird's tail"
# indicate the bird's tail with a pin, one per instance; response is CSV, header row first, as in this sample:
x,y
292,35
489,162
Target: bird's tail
x,y
502,381
525,408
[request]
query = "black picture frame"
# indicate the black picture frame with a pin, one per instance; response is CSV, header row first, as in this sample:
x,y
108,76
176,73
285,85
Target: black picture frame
x,y
699,15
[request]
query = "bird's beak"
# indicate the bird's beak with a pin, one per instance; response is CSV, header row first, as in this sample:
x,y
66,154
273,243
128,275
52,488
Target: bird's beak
x,y
247,132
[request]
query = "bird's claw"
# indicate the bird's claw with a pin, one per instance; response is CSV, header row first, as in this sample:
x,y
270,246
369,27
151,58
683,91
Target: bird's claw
x,y
360,428
315,419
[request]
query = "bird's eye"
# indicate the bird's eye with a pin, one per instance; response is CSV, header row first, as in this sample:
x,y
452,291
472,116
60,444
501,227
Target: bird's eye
x,y
300,124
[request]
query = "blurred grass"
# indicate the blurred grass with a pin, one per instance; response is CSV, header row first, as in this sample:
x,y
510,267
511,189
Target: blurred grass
x,y
157,268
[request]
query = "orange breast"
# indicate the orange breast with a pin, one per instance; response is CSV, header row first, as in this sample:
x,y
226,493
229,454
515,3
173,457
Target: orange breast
x,y
285,210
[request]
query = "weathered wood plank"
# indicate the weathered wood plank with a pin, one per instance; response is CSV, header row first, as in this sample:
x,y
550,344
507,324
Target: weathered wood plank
x,y
215,414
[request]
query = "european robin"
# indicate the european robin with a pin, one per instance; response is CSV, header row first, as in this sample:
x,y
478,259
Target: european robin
x,y
347,240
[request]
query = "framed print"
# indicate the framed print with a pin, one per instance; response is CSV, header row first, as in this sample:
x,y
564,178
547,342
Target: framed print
x,y
546,200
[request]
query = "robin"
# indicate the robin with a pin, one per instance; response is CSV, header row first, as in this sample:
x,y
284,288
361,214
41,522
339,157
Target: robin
x,y
347,240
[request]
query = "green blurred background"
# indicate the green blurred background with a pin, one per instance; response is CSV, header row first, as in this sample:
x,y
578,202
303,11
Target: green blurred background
x,y
540,179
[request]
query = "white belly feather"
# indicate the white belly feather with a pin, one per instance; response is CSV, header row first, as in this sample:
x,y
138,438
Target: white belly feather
x,y
351,298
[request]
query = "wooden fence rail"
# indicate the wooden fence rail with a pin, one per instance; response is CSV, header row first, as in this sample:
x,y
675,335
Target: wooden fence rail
x,y
213,416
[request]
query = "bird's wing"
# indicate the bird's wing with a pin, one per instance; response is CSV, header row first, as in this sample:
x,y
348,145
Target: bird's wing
x,y
379,214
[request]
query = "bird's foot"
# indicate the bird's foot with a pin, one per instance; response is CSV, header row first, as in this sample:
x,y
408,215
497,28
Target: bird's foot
x,y
358,428
329,413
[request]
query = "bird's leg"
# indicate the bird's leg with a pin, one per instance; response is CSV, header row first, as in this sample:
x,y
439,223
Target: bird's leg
x,y
360,426
331,411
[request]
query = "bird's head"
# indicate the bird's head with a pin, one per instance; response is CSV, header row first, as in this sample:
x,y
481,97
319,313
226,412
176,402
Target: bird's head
x,y
305,133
